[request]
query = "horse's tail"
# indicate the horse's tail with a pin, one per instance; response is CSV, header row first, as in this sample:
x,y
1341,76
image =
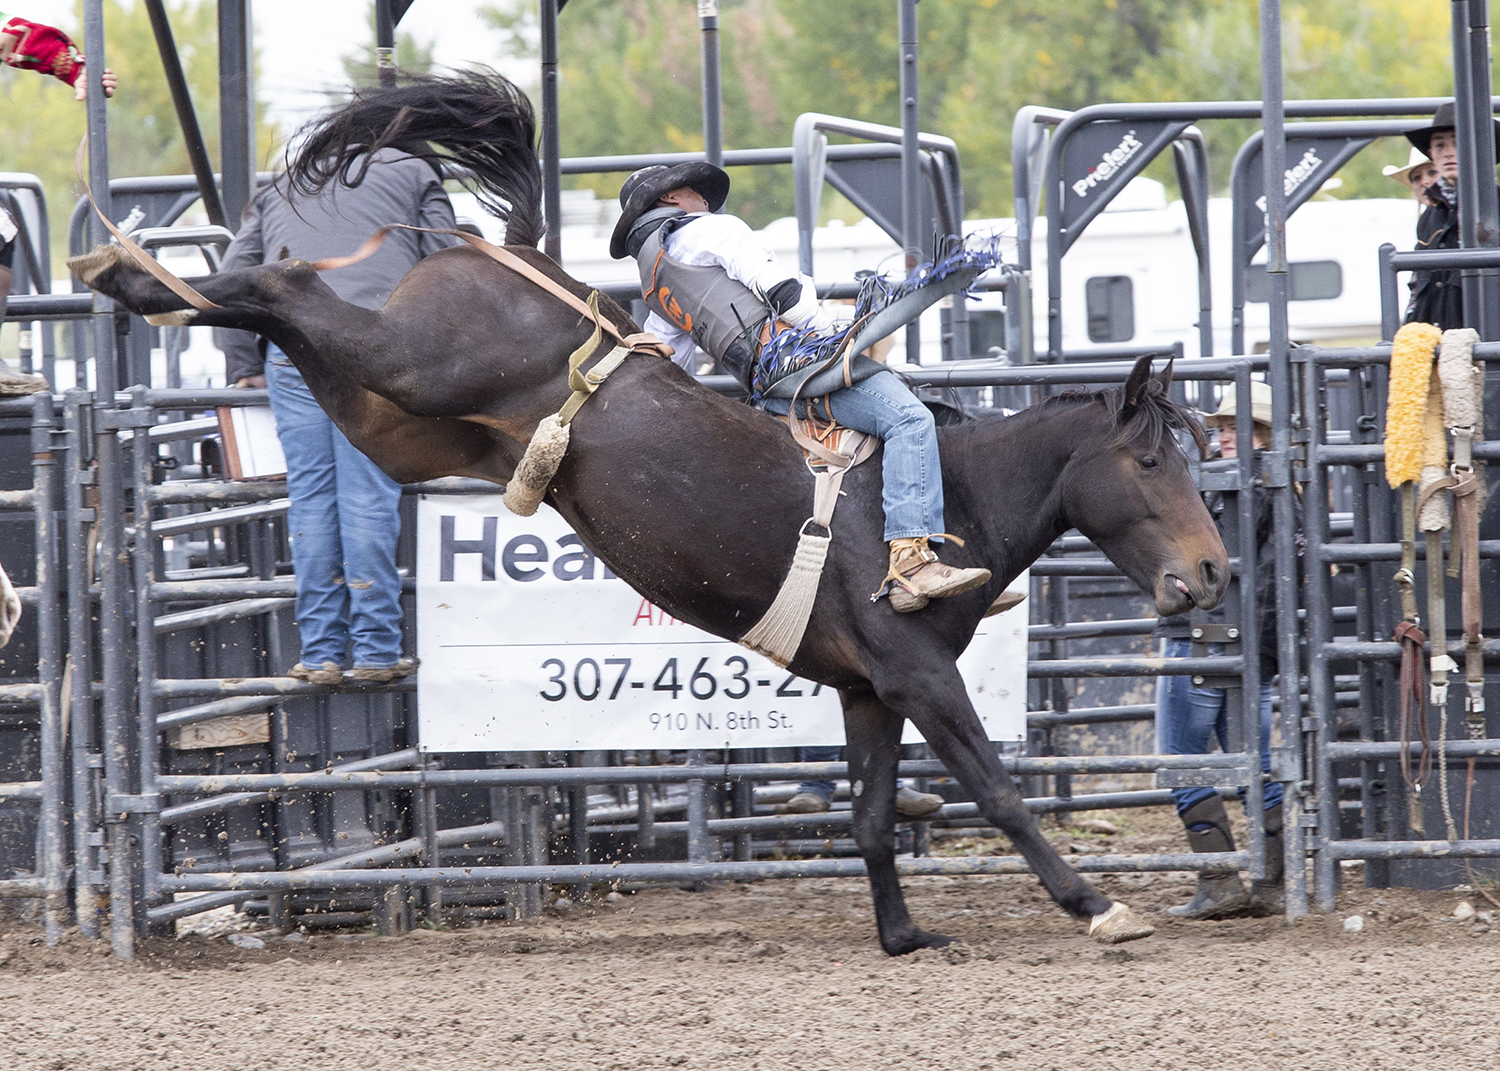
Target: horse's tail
x,y
477,120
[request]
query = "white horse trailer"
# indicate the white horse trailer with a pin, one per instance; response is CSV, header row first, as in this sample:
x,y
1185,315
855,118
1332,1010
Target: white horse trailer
x,y
1130,280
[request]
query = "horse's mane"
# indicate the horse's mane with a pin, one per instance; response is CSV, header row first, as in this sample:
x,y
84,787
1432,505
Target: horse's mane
x,y
477,120
1154,415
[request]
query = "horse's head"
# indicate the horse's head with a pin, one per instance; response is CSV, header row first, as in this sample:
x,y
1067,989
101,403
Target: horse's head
x,y
1127,488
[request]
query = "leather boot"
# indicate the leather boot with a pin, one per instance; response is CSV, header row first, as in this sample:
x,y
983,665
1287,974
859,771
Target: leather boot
x,y
1220,894
1269,897
918,576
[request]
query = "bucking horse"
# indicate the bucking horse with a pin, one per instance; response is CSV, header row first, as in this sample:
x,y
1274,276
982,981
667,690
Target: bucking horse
x,y
696,500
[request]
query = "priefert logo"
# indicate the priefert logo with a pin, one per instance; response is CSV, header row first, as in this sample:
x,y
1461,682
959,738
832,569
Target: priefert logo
x,y
1296,175
1109,163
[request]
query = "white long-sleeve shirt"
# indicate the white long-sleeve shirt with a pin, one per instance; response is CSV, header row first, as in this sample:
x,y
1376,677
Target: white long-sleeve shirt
x,y
728,242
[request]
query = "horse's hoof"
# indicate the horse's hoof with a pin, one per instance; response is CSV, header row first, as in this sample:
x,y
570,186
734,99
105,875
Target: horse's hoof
x,y
1118,925
89,266
913,940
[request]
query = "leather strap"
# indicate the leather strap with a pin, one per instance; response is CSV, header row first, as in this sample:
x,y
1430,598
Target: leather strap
x,y
139,255
584,384
1413,704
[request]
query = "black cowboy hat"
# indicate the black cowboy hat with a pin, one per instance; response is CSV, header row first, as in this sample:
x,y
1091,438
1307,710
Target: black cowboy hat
x,y
640,192
1442,119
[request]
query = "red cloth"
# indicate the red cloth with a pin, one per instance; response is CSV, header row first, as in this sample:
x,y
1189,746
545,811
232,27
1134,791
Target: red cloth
x,y
41,48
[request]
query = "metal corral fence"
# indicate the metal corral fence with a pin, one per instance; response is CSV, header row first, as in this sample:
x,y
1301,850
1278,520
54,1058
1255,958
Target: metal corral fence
x,y
192,776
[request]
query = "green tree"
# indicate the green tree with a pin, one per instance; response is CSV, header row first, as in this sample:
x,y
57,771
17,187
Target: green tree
x,y
630,72
44,124
412,55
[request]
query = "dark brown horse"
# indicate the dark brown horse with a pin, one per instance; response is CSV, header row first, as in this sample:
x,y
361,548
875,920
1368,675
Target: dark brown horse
x,y
697,500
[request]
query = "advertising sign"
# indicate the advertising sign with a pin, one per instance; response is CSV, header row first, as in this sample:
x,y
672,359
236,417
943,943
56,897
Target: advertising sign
x,y
1100,158
1310,163
530,643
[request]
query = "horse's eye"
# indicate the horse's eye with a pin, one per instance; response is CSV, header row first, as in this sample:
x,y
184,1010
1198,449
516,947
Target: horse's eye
x,y
1149,461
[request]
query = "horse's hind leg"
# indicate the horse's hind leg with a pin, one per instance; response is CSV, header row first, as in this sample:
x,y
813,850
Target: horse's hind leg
x,y
873,731
248,297
938,704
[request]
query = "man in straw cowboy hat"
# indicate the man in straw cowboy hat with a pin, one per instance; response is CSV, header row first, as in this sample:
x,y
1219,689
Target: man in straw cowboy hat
x,y
1437,296
1418,174
1190,716
709,279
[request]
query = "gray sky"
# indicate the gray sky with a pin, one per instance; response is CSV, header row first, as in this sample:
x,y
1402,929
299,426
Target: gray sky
x,y
302,43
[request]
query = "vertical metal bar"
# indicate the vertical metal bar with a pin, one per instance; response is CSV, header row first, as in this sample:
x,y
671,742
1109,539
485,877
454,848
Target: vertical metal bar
x,y
1251,731
385,43
713,96
538,825
112,626
578,820
1057,614
236,108
49,663
432,895
1486,199
911,162
187,116
1287,766
148,743
698,843
1320,692
1390,301
645,814
1372,681
551,150
83,746
742,804
1468,176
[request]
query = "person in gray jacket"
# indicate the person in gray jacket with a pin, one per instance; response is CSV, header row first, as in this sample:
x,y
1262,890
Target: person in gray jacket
x,y
343,516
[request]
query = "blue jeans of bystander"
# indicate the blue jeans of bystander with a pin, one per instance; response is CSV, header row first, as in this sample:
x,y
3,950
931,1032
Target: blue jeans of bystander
x,y
1189,717
344,522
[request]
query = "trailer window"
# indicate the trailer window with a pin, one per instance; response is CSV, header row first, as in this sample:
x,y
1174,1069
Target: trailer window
x,y
1308,280
1110,300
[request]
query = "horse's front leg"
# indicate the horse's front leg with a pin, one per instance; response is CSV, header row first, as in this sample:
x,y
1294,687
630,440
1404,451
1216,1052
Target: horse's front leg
x,y
873,732
938,704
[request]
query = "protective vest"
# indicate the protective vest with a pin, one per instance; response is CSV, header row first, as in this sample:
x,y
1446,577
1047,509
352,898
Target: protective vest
x,y
722,314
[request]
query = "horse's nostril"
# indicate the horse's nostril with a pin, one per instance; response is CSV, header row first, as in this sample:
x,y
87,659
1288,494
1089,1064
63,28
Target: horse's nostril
x,y
1211,573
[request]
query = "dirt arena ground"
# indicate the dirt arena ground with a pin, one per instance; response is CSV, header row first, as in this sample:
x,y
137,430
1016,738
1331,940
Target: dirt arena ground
x,y
789,976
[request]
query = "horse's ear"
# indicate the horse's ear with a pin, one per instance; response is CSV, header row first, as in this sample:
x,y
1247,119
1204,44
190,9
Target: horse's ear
x,y
1164,377
1135,385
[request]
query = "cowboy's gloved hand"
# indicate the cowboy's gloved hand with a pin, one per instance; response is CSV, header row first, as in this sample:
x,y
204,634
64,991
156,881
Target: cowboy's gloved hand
x,y
796,303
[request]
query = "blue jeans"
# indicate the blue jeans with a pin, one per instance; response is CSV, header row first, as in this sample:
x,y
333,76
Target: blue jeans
x,y
343,520
912,474
820,754
1189,716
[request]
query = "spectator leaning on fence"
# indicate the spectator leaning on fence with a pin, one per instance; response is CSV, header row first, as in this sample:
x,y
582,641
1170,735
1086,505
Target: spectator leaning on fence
x,y
1189,717
31,46
1437,296
343,517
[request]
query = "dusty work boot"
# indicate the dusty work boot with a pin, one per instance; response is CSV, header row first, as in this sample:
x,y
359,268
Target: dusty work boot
x,y
913,804
404,667
918,576
1220,895
805,803
1269,897
327,673
15,384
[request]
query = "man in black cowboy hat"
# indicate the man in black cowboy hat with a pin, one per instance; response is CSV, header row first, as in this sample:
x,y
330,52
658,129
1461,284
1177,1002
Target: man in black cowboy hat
x,y
709,279
1437,296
